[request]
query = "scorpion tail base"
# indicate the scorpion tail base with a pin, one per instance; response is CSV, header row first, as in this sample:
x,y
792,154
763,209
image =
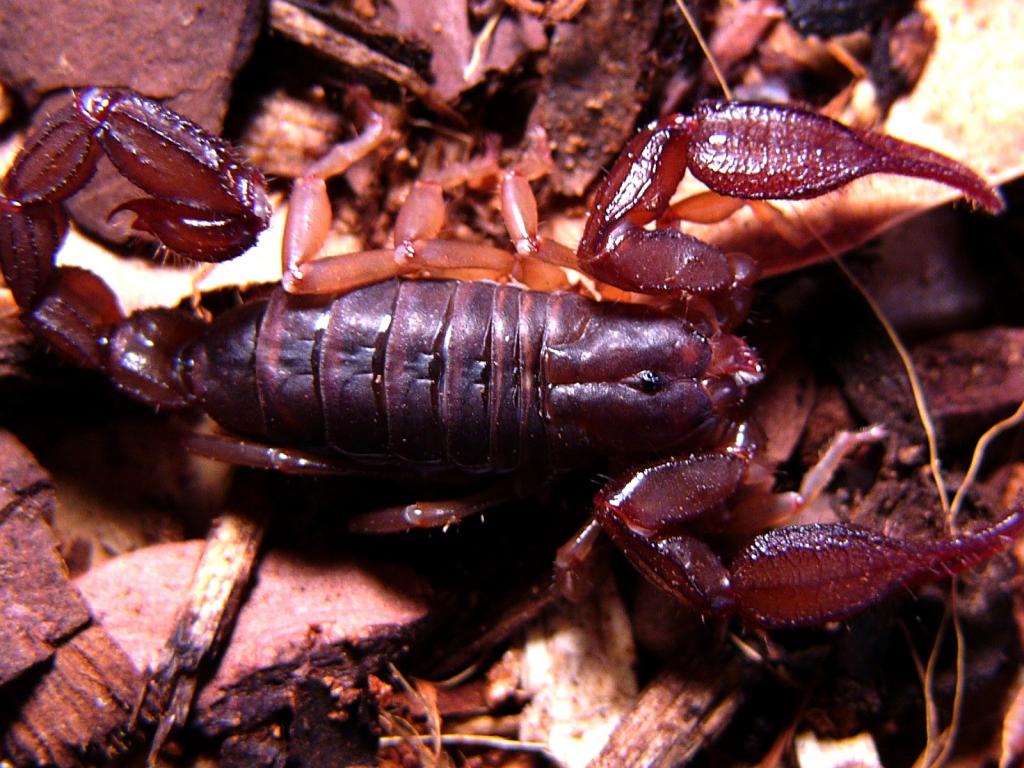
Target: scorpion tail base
x,y
144,360
74,315
29,238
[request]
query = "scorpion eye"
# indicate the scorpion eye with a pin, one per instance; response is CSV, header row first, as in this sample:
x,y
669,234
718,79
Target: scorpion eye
x,y
650,381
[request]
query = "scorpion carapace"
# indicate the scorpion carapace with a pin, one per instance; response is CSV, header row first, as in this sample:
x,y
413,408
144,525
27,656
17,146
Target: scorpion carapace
x,y
481,377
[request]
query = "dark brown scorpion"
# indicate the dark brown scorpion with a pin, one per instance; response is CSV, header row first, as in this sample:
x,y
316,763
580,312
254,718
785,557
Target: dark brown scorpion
x,y
485,377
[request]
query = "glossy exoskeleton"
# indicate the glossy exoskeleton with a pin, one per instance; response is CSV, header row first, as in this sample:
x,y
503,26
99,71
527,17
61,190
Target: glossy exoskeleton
x,y
482,377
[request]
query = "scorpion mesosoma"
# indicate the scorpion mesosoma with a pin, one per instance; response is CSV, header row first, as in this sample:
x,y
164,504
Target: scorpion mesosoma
x,y
485,377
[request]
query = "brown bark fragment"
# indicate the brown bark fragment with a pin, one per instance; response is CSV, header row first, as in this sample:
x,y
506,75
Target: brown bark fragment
x,y
306,639
79,707
588,103
161,48
970,379
306,29
296,603
679,712
39,607
973,374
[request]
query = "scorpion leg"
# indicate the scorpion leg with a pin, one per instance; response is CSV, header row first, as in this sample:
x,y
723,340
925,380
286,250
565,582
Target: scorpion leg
x,y
418,249
309,209
248,453
794,576
435,514
575,577
745,150
419,222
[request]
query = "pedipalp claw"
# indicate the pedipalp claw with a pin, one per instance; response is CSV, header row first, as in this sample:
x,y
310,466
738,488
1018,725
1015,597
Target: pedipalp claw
x,y
764,151
808,574
196,234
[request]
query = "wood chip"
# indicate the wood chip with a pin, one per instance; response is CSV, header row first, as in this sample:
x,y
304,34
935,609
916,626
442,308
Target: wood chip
x,y
680,712
293,22
39,606
589,104
80,706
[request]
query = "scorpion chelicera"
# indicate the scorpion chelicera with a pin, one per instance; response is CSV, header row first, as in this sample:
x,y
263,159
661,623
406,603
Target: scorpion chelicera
x,y
346,366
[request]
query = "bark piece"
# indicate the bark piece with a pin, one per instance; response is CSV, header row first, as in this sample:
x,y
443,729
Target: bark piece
x,y
588,103
429,49
161,48
971,378
78,708
39,606
308,30
681,710
300,655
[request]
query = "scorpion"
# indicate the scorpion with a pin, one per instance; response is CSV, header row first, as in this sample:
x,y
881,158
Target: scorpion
x,y
346,365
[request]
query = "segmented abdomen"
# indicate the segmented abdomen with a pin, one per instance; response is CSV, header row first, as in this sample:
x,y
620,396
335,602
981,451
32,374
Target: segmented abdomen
x,y
421,372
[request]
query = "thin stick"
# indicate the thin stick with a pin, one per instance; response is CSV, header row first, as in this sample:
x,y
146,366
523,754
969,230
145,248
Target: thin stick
x,y
470,740
979,454
704,47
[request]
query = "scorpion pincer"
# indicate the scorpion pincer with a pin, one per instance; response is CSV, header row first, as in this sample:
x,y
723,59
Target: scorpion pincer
x,y
370,370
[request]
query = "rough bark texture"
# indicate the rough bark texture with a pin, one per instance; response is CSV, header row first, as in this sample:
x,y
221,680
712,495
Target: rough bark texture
x,y
39,606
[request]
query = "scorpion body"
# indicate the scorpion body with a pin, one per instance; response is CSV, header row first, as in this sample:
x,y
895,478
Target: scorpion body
x,y
346,362
476,376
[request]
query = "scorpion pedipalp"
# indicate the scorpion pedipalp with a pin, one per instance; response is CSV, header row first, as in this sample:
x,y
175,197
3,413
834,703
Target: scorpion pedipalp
x,y
797,575
749,150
